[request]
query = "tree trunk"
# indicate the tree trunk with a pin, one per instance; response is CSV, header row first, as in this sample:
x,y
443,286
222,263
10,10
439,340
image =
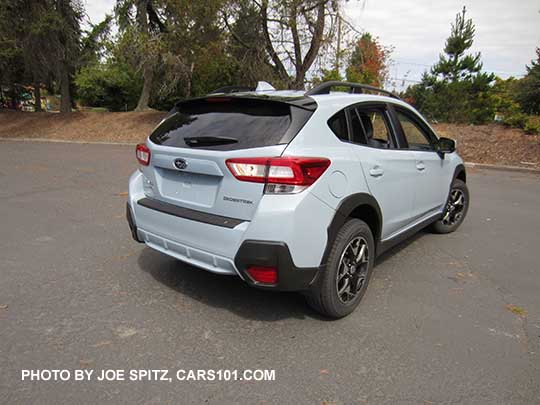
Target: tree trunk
x,y
148,71
144,99
37,96
65,95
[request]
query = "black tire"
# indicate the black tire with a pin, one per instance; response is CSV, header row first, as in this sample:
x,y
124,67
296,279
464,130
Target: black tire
x,y
445,224
323,296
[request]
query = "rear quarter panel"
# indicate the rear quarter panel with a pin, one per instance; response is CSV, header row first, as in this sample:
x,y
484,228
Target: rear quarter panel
x,y
344,176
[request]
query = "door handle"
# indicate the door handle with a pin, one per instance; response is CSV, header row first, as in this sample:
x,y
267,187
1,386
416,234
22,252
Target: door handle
x,y
420,166
376,171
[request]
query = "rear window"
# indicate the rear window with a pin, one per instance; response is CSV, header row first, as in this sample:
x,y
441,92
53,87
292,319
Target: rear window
x,y
227,124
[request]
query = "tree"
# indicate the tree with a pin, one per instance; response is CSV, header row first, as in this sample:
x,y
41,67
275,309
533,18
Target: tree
x,y
455,64
12,64
528,89
96,42
455,89
45,36
112,85
247,44
62,30
142,27
22,56
293,32
104,78
368,63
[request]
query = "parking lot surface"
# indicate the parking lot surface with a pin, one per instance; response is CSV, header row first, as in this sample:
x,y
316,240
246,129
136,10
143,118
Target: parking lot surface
x,y
446,319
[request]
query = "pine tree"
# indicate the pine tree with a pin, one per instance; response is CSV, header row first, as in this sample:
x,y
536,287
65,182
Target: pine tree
x,y
529,88
455,89
455,64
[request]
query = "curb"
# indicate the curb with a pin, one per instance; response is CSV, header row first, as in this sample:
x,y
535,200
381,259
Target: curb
x,y
502,168
472,165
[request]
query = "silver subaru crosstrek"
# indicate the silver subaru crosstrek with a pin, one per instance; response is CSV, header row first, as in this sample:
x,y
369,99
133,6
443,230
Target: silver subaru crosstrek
x,y
293,190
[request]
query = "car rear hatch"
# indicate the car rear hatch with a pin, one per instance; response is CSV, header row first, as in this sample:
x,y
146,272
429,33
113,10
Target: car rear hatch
x,y
190,147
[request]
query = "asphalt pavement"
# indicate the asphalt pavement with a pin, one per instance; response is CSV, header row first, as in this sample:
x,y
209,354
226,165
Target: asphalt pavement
x,y
446,319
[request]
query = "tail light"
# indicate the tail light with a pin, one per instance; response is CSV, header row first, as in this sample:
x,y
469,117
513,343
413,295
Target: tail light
x,y
281,175
143,154
263,275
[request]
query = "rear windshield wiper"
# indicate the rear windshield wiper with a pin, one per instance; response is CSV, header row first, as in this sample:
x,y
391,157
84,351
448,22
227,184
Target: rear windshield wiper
x,y
208,140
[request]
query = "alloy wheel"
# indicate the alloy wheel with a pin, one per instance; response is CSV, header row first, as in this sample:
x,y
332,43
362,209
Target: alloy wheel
x,y
454,208
352,270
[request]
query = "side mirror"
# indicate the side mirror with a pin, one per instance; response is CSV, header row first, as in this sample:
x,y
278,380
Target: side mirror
x,y
446,145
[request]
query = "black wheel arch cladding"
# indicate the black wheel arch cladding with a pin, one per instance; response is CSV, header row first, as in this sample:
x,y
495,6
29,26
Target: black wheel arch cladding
x,y
360,205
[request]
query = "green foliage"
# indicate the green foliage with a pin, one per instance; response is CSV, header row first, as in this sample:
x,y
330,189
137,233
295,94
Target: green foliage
x,y
455,90
327,75
246,46
454,64
532,125
528,90
515,120
529,123
111,85
95,42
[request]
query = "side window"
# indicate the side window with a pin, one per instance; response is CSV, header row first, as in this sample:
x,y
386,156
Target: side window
x,y
416,137
338,125
370,127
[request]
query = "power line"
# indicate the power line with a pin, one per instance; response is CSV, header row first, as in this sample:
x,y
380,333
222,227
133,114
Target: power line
x,y
398,62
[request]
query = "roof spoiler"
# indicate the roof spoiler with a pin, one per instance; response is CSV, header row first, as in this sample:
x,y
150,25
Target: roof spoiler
x,y
261,87
324,88
231,89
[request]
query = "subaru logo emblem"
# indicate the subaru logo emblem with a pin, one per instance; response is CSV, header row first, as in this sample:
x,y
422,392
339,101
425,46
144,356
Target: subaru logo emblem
x,y
180,164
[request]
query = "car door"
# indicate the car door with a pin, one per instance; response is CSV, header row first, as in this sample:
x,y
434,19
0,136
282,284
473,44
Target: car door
x,y
430,167
389,171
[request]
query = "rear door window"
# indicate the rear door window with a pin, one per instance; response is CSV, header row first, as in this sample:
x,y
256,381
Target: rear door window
x,y
370,127
224,123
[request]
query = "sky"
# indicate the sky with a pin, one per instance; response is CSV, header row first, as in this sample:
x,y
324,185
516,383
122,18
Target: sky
x,y
507,32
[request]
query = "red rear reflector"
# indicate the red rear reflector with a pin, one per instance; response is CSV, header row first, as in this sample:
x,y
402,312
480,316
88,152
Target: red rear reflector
x,y
296,171
143,154
264,275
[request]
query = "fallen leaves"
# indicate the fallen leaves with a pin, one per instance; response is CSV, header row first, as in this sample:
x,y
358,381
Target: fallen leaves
x,y
102,343
85,362
124,332
519,311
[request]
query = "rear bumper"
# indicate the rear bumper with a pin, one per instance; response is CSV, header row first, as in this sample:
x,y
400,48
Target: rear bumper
x,y
275,237
251,253
131,223
274,254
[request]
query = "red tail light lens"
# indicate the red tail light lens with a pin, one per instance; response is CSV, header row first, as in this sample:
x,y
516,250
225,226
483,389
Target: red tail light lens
x,y
264,275
299,172
143,154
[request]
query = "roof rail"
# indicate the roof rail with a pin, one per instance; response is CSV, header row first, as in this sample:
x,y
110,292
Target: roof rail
x,y
324,88
232,89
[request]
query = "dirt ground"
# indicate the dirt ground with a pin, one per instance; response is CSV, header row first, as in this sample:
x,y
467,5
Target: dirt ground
x,y
493,144
81,126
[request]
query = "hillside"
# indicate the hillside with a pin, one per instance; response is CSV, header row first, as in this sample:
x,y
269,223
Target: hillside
x,y
491,144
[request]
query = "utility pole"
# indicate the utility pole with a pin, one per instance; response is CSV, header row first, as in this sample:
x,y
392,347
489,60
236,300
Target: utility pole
x,y
338,49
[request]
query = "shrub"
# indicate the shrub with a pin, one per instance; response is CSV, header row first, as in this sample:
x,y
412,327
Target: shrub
x,y
107,85
515,120
532,125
